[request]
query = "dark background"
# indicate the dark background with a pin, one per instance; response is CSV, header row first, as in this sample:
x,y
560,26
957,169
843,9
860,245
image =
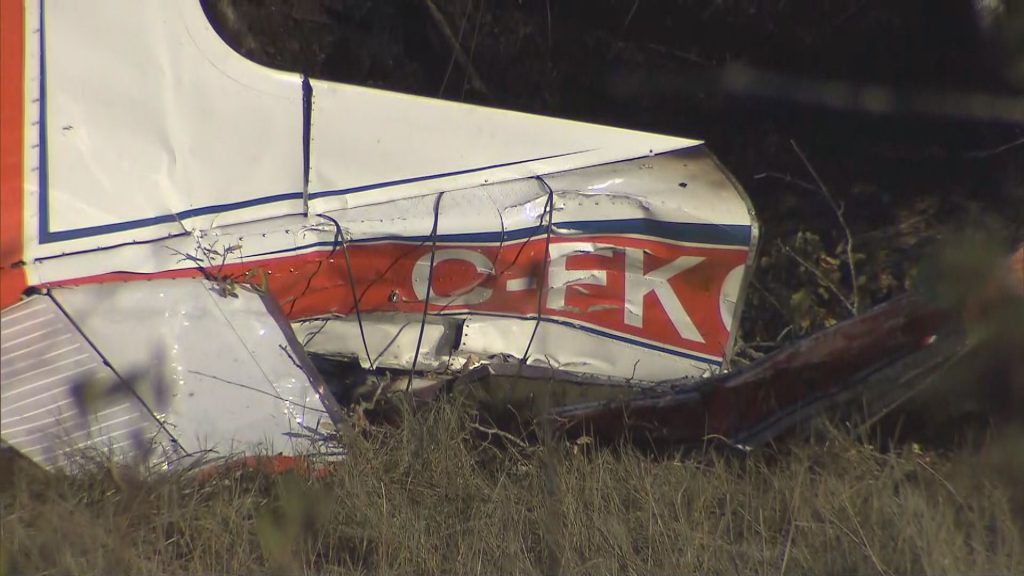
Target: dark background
x,y
910,111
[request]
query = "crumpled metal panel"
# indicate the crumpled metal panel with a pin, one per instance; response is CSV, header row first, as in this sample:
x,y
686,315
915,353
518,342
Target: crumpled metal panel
x,y
569,349
633,269
754,405
224,375
626,240
391,341
239,142
59,398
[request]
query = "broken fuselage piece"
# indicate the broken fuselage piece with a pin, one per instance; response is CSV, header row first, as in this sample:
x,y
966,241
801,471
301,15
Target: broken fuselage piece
x,y
386,230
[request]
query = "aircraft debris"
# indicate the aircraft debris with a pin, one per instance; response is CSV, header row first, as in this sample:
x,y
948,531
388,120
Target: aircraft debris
x,y
232,236
877,359
215,377
175,226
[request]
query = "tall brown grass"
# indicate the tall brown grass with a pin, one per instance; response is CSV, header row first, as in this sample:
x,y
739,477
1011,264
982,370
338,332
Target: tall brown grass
x,y
437,495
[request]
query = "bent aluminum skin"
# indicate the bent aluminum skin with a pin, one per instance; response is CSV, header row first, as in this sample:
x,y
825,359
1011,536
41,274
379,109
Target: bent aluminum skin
x,y
397,231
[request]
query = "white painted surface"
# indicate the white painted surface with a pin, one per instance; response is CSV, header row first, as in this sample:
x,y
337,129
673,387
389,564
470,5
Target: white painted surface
x,y
149,114
151,126
494,208
688,186
363,136
228,385
58,401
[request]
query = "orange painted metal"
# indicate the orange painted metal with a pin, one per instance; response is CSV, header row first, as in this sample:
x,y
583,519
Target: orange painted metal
x,y
385,275
13,280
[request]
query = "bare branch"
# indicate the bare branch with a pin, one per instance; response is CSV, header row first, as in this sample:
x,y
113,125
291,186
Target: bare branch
x,y
838,209
457,50
852,306
996,150
787,179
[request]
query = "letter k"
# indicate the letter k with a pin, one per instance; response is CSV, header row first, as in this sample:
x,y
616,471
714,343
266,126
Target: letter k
x,y
639,284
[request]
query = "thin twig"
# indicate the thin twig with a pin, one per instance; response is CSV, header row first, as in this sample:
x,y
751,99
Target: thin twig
x,y
994,151
629,17
838,209
472,46
943,481
787,179
842,19
769,296
852,306
501,433
792,523
460,55
679,54
451,61
547,6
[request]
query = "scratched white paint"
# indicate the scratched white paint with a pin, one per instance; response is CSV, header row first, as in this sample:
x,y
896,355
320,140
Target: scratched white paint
x,y
59,401
218,370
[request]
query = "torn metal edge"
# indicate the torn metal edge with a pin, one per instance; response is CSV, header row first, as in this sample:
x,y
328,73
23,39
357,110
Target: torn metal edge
x,y
298,353
534,372
749,267
161,424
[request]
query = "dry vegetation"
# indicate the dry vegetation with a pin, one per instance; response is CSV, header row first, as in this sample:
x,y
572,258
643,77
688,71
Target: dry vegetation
x,y
436,497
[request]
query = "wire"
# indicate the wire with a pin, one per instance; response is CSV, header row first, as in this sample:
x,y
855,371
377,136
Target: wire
x,y
549,211
430,288
339,238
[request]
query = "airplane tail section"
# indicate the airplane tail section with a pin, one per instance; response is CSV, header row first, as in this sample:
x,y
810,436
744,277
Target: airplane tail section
x,y
392,232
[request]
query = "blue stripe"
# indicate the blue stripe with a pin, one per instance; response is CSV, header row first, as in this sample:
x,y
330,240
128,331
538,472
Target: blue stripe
x,y
718,234
61,235
307,124
735,234
342,192
44,214
46,236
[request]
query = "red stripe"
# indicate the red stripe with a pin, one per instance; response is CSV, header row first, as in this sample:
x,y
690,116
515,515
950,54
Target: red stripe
x,y
385,276
12,60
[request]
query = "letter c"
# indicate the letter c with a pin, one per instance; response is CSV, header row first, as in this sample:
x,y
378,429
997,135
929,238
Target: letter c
x,y
421,274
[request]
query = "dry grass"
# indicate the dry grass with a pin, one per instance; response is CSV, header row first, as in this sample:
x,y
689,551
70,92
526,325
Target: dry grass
x,y
433,497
